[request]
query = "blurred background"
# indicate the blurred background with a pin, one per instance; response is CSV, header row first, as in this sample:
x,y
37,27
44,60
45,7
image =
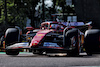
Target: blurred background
x,y
31,13
27,13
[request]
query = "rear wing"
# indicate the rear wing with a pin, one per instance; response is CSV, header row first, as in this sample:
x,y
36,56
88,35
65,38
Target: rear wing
x,y
75,24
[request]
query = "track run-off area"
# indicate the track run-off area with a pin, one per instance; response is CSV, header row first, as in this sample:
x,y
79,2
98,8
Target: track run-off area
x,y
26,59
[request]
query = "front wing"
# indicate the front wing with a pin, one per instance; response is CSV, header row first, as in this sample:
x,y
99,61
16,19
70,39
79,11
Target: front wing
x,y
50,47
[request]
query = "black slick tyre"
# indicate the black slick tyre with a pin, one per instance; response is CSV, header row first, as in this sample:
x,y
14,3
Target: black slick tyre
x,y
91,42
12,36
12,52
72,35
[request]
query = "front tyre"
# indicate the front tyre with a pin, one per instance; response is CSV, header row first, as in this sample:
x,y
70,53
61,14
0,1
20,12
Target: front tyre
x,y
12,52
74,46
72,42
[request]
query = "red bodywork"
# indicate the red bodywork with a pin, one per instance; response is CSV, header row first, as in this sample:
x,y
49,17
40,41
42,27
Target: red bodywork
x,y
38,37
41,33
47,28
29,28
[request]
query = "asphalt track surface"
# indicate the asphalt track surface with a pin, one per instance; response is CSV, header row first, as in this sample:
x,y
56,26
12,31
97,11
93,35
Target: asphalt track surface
x,y
50,60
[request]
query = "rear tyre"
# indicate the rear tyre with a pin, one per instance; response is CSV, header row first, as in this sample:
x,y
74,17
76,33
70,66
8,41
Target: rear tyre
x,y
12,36
71,42
91,42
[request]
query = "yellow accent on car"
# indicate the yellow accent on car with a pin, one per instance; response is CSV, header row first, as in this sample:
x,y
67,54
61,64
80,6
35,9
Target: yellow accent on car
x,y
82,39
29,38
40,35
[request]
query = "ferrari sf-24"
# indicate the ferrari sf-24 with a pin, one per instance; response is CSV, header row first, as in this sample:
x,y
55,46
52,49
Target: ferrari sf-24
x,y
52,37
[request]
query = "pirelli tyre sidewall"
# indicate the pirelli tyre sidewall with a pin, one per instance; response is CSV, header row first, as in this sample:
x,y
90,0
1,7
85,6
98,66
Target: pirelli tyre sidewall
x,y
68,36
91,42
11,36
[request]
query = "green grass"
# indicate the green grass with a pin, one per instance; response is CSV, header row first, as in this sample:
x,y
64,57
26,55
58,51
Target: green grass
x,y
20,52
2,53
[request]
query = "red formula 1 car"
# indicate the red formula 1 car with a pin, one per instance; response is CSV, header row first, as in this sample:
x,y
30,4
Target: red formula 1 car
x,y
53,37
